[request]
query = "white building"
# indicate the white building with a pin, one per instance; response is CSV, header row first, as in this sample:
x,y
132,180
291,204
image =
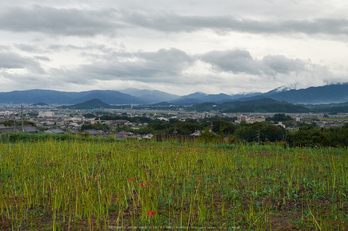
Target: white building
x,y
46,114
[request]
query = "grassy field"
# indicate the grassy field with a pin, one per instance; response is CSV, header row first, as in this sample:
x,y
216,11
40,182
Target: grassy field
x,y
86,185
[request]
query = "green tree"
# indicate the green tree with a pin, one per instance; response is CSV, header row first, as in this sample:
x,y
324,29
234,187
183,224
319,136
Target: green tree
x,y
279,118
307,136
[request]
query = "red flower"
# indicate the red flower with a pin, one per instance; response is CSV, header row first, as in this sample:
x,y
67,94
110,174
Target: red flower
x,y
142,185
151,213
199,179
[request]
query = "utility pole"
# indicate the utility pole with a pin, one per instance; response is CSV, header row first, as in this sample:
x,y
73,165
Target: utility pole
x,y
14,122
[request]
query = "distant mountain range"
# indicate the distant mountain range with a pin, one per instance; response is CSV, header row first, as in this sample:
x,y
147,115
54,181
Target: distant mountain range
x,y
58,97
199,97
152,96
314,95
337,93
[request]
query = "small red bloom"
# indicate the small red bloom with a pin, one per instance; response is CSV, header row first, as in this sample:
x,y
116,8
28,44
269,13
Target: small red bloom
x,y
199,179
151,213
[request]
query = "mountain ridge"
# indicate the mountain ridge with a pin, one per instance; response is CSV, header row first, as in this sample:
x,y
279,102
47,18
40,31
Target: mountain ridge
x,y
89,104
59,97
334,93
153,96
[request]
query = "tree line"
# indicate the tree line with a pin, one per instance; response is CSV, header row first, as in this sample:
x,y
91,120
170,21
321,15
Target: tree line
x,y
306,135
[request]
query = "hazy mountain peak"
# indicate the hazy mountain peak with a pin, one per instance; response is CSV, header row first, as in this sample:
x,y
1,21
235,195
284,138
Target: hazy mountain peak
x,y
196,94
153,96
284,88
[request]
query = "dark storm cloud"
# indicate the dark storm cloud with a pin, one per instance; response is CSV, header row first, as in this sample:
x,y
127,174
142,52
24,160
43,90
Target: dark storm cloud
x,y
241,61
58,21
163,65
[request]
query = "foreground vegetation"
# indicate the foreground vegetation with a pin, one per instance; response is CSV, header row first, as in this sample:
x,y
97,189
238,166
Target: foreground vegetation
x,y
76,184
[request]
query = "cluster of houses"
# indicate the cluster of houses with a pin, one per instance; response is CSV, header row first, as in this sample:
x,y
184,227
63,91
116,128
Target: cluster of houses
x,y
70,121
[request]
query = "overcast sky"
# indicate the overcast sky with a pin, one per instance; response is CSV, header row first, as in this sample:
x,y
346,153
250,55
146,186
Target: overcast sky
x,y
180,47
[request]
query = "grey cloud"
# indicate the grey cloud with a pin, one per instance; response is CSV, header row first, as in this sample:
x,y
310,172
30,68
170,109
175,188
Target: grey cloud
x,y
57,47
177,23
163,65
27,47
4,48
58,21
31,81
108,21
241,61
10,60
282,64
236,61
42,58
169,66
